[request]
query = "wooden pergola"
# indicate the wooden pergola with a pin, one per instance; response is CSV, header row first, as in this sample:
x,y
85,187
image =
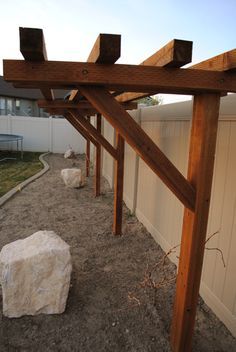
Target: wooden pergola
x,y
101,87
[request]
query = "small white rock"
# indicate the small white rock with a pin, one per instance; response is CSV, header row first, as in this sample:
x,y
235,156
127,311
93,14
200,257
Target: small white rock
x,y
73,177
35,275
70,154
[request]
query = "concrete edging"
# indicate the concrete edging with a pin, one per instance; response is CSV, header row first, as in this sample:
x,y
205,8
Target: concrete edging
x,y
23,184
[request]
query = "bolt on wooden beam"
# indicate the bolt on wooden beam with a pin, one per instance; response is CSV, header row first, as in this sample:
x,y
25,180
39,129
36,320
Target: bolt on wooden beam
x,y
55,74
106,50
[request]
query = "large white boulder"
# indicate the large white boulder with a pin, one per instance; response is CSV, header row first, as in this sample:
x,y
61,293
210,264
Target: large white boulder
x,y
35,275
73,177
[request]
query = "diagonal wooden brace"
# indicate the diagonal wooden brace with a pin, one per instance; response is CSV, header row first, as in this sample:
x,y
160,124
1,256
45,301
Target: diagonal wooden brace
x,y
94,133
80,128
142,143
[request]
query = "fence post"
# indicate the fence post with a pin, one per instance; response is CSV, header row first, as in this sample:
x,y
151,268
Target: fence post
x,y
138,117
50,146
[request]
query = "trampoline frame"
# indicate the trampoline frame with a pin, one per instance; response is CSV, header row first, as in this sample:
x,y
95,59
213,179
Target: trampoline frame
x,y
8,138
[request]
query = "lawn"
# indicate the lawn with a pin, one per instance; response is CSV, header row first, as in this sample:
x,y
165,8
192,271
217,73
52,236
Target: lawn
x,y
13,172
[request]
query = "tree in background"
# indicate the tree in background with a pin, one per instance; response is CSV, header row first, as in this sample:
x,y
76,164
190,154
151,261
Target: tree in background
x,y
150,101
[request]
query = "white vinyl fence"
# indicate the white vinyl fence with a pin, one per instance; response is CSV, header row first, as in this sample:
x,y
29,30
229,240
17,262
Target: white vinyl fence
x,y
161,212
42,134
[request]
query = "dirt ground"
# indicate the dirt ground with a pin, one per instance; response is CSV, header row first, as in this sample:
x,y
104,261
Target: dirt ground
x,y
107,309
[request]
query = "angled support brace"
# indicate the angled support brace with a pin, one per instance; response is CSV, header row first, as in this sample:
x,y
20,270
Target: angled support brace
x,y
94,133
80,129
142,143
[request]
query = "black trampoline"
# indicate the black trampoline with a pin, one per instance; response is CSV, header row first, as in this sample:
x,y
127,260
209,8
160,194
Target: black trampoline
x,y
9,138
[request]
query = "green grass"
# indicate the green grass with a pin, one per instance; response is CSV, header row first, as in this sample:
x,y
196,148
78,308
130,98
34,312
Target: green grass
x,y
13,172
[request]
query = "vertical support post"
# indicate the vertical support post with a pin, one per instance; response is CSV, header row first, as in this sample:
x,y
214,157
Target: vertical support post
x,y
98,160
118,185
88,154
200,174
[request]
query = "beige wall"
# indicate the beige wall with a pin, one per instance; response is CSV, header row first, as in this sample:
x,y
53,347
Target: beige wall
x,y
158,209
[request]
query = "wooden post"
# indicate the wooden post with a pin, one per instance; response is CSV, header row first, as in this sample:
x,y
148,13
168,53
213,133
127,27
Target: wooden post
x,y
98,160
88,155
118,185
200,173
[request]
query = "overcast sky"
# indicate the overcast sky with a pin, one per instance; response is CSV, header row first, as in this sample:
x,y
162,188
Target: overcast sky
x,y
71,26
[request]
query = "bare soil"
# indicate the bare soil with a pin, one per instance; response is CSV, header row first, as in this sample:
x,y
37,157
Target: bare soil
x,y
107,309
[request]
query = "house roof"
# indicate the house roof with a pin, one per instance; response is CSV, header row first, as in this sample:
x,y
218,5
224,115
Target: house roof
x,y
7,90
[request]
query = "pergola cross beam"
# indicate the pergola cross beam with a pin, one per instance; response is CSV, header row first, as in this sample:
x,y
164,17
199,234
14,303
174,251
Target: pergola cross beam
x,y
106,50
176,53
33,48
63,75
223,62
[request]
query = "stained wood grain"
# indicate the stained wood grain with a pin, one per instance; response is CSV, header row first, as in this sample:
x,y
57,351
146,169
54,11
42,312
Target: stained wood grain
x,y
141,143
88,153
200,173
118,77
118,185
176,53
80,128
93,132
106,50
82,104
33,48
98,159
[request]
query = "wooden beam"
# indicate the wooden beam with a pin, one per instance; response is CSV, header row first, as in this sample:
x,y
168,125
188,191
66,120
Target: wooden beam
x,y
106,50
32,44
80,128
98,160
176,53
88,154
33,48
118,77
64,104
118,185
142,143
84,104
129,96
200,173
60,111
93,132
222,62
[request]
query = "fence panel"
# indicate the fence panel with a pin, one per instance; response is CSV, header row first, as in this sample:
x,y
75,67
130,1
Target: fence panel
x,y
162,214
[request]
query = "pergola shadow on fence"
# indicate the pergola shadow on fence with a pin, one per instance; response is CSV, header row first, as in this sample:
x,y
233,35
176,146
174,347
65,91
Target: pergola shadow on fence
x,y
101,87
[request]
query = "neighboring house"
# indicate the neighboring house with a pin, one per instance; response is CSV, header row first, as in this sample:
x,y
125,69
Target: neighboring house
x,y
22,102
